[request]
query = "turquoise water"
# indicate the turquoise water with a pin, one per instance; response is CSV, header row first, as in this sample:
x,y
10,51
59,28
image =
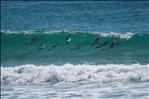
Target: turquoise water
x,y
74,49
82,48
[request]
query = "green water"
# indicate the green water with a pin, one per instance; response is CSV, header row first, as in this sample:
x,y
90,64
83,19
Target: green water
x,y
37,48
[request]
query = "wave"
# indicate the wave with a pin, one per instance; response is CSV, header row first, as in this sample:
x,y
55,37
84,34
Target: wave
x,y
30,73
76,47
126,35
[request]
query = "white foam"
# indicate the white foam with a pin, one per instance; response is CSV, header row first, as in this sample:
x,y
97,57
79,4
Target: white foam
x,y
17,32
70,73
126,35
30,32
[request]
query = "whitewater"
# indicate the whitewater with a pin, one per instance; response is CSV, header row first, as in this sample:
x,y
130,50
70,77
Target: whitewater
x,y
75,73
76,81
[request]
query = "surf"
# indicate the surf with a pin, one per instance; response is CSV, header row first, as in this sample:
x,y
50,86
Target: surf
x,y
29,73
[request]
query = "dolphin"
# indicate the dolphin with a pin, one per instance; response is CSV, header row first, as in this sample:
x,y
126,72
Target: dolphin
x,y
52,47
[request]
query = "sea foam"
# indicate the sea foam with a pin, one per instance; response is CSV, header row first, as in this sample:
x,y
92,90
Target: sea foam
x,y
126,35
30,73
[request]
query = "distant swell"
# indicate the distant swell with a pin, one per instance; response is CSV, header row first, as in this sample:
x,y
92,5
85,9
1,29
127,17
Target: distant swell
x,y
75,73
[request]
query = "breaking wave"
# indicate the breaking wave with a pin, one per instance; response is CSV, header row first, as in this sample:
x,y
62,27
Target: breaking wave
x,y
74,73
126,35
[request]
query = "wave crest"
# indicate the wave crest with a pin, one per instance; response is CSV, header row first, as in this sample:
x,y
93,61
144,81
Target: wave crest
x,y
126,35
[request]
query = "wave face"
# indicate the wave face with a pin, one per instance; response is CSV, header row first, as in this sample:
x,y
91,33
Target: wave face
x,y
75,73
75,47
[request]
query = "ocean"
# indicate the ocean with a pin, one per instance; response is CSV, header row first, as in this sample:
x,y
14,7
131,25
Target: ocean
x,y
74,49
